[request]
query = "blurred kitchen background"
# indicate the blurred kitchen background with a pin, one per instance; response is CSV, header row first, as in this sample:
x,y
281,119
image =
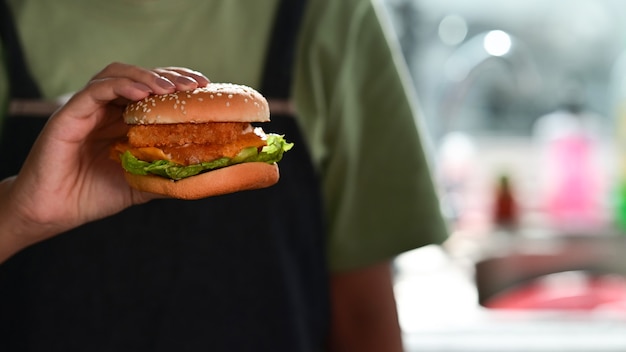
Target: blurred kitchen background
x,y
524,115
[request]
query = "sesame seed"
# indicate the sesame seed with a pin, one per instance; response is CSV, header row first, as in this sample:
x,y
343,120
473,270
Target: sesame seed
x,y
227,103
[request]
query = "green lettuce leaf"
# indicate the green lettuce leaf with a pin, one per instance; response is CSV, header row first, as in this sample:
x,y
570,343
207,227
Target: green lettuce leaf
x,y
271,153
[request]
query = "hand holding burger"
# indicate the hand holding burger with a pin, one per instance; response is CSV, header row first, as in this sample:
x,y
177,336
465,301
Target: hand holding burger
x,y
68,178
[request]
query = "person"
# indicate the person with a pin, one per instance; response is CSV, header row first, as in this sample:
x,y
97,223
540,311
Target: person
x,y
260,270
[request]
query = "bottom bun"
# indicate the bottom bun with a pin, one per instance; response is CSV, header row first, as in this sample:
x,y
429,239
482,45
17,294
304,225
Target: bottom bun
x,y
240,177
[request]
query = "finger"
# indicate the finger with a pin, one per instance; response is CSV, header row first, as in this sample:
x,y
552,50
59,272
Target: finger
x,y
157,83
184,79
87,109
100,92
198,76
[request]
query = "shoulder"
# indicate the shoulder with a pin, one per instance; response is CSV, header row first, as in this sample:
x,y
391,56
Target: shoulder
x,y
336,26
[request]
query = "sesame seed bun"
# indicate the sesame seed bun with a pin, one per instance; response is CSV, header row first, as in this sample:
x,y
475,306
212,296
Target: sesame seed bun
x,y
235,178
217,102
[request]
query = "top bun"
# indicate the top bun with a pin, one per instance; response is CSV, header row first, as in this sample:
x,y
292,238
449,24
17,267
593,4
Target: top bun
x,y
217,102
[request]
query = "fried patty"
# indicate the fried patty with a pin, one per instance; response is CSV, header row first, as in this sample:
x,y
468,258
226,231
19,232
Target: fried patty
x,y
189,143
180,134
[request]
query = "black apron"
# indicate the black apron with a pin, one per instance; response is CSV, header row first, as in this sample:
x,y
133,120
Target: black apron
x,y
240,272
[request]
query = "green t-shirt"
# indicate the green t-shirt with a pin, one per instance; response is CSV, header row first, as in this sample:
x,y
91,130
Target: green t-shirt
x,y
357,116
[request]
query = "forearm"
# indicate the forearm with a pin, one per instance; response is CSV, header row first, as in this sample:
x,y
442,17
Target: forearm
x,y
11,224
364,315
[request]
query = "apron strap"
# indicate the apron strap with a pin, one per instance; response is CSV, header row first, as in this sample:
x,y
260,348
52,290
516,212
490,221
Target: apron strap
x,y
21,82
278,71
16,135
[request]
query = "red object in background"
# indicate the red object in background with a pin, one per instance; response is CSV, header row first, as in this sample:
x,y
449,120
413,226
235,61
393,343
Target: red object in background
x,y
565,291
505,207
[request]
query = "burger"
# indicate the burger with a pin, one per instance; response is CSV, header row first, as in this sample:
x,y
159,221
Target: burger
x,y
200,143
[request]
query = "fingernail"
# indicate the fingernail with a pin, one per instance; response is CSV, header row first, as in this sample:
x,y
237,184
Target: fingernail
x,y
204,78
184,80
142,87
165,83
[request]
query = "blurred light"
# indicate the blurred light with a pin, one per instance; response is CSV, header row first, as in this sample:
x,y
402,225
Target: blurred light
x,y
457,147
456,155
452,30
497,43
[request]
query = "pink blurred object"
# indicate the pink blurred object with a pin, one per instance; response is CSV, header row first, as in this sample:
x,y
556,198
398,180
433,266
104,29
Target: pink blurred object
x,y
575,194
573,174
